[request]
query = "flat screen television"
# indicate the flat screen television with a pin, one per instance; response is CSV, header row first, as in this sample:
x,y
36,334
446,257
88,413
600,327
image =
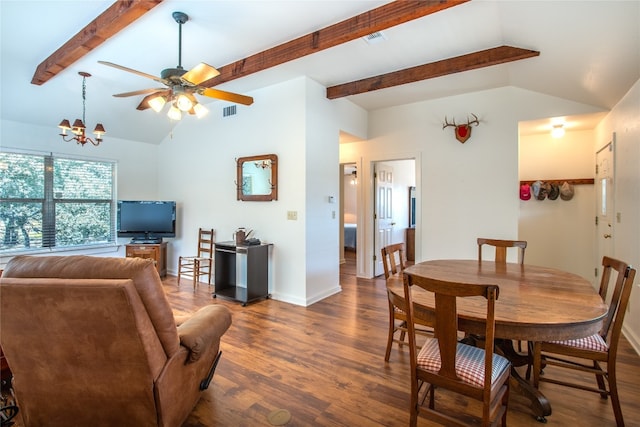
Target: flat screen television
x,y
146,221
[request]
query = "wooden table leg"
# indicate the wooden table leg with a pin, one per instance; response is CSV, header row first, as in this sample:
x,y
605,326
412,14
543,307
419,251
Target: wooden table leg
x,y
540,405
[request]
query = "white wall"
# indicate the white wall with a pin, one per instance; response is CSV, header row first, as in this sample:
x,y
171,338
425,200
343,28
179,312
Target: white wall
x,y
463,191
137,166
624,120
295,121
559,233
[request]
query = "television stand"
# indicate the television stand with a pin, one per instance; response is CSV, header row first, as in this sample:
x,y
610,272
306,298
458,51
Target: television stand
x,y
157,252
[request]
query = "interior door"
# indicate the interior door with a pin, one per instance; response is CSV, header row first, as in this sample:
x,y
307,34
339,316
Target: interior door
x,y
605,185
383,215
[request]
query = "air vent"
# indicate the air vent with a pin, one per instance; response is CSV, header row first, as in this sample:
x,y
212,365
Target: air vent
x,y
374,38
229,111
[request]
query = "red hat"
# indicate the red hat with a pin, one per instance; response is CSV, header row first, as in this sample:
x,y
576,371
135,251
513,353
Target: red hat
x,y
525,192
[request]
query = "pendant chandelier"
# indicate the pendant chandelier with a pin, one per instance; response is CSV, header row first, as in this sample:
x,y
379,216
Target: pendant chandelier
x,y
78,128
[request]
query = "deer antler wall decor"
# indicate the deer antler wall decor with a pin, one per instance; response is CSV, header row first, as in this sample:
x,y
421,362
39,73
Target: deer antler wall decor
x,y
463,132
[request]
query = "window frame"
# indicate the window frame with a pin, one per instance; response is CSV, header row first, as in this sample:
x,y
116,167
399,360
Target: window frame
x,y
49,202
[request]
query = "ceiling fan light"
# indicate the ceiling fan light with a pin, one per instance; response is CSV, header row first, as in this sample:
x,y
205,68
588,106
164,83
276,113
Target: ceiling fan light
x,y
174,113
157,103
200,110
184,103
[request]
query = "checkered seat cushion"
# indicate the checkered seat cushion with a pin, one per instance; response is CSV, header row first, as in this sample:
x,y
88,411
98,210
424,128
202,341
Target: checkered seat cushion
x,y
469,362
592,343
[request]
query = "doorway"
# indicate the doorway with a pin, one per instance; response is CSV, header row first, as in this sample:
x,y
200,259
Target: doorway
x,y
393,210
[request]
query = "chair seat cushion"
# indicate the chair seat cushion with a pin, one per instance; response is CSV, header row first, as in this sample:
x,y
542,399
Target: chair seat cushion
x,y
469,362
593,343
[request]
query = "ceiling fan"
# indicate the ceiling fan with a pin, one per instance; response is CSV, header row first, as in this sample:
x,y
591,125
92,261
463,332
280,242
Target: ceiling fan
x,y
182,85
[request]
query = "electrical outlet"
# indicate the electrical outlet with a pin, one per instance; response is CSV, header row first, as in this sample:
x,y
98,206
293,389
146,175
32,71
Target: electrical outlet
x,y
292,215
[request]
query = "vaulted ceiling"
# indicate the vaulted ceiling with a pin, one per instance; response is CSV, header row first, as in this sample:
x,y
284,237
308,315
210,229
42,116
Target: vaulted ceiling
x,y
584,51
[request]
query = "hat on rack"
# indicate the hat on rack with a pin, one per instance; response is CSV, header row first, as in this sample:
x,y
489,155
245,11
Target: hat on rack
x,y
554,192
544,190
540,190
566,191
525,192
535,189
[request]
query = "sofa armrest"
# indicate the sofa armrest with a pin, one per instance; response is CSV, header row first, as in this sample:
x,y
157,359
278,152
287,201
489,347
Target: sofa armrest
x,y
205,327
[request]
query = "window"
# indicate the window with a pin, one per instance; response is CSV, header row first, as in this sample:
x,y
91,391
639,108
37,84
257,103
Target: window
x,y
47,201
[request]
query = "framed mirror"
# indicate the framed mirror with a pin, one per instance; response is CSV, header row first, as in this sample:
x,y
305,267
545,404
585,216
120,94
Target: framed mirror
x,y
257,178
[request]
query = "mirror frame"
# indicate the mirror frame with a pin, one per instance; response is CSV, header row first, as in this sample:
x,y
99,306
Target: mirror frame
x,y
274,178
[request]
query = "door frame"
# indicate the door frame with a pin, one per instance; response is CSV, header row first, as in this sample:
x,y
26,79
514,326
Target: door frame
x,y
605,249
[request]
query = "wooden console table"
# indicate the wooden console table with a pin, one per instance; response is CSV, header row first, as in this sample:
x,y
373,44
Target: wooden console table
x,y
155,251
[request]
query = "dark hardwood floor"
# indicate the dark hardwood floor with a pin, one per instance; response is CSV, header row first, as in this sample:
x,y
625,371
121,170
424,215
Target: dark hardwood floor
x,y
325,365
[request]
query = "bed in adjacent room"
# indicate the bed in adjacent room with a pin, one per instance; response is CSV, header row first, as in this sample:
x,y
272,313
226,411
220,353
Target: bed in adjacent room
x,y
350,236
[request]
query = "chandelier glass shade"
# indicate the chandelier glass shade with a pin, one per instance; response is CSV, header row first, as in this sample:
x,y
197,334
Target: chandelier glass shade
x,y
78,129
180,102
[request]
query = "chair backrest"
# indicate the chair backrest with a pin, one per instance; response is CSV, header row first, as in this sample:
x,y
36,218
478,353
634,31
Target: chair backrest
x,y
618,298
393,259
445,327
501,248
206,239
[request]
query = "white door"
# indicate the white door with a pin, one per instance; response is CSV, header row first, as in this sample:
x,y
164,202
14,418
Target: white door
x,y
383,215
605,184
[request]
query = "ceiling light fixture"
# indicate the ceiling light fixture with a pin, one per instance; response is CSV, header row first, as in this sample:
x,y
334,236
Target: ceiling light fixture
x,y
557,131
181,101
78,128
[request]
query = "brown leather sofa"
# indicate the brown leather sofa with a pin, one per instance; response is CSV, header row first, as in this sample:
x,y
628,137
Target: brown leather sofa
x,y
93,342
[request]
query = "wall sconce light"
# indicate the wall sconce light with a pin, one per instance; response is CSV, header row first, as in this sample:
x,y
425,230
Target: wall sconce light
x,y
557,131
78,128
354,178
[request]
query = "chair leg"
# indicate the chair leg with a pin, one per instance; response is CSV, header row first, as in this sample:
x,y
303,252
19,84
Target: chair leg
x,y
537,356
196,274
390,333
613,390
600,380
179,269
413,415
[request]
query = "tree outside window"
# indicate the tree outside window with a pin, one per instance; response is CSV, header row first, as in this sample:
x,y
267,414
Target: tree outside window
x,y
49,201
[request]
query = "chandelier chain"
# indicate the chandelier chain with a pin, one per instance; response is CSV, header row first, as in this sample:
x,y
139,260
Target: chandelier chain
x,y
84,98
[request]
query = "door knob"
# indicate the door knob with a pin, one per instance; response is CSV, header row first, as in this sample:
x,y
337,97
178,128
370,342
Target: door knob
x,y
607,236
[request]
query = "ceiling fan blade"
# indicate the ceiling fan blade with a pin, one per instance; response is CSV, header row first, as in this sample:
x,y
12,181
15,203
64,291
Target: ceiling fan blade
x,y
137,92
144,104
131,70
200,73
226,96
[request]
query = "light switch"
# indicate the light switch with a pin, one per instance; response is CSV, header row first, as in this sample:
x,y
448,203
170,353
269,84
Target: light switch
x,y
292,215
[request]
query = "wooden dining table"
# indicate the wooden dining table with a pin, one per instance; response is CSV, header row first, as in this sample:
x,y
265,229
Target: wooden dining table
x,y
534,304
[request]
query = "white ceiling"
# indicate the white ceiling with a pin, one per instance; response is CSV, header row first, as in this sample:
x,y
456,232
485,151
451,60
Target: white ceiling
x,y
589,53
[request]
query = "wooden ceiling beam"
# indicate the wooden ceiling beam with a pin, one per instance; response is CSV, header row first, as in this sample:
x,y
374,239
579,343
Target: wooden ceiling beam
x,y
458,64
378,19
108,23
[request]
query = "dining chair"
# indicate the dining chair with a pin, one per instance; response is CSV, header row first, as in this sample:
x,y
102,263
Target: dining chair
x,y
393,262
597,353
501,247
445,363
197,266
